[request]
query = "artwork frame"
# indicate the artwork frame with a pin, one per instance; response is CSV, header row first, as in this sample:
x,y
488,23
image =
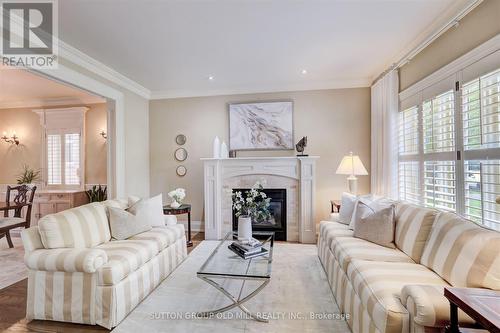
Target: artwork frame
x,y
262,125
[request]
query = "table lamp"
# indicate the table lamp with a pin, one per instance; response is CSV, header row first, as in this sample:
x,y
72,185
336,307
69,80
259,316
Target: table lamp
x,y
351,165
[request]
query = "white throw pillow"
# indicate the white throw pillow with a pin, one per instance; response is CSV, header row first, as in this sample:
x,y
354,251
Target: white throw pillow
x,y
347,205
124,224
366,205
151,209
132,199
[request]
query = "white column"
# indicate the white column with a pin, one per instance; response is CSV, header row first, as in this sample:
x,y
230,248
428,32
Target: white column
x,y
307,225
213,199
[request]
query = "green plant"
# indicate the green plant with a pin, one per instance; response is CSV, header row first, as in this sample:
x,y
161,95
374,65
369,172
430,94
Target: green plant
x,y
97,193
28,175
253,203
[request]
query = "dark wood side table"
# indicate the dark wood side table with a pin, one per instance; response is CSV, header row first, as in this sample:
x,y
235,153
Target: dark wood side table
x,y
335,206
482,305
182,209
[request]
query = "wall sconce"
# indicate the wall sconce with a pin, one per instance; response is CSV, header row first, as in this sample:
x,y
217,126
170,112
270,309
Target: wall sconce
x,y
14,139
104,135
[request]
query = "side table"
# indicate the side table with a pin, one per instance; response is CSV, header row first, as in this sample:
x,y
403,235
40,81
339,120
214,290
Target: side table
x,y
335,206
182,209
482,305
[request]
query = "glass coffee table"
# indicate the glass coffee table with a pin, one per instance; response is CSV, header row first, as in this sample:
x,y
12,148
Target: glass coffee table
x,y
225,264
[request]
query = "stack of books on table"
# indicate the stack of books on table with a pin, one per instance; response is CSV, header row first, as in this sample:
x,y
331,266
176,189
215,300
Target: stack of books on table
x,y
248,249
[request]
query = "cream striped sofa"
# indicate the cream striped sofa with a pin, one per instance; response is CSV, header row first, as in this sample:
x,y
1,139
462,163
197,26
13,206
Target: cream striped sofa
x,y
77,274
401,290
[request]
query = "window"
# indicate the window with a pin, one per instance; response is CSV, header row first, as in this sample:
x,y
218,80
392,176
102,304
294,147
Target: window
x,y
449,147
63,158
63,153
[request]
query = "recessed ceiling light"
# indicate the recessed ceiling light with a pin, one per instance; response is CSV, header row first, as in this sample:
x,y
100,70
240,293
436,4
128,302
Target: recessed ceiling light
x,y
211,78
304,71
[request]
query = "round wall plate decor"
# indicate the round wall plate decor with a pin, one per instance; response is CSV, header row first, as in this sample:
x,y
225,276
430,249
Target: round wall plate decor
x,y
181,171
180,154
180,139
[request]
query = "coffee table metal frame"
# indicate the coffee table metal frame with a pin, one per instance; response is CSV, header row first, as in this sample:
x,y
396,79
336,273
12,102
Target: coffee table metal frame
x,y
238,301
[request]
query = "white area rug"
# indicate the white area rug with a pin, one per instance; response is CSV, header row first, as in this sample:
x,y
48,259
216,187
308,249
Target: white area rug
x,y
12,262
298,289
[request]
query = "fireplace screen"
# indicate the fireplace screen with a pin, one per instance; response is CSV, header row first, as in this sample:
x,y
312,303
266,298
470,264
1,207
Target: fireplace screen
x,y
277,220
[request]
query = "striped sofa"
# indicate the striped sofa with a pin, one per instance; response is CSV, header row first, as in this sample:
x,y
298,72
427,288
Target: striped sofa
x,y
77,274
401,290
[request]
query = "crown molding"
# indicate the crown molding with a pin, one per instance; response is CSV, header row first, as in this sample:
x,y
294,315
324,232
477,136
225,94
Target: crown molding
x,y
85,61
452,15
79,58
319,85
50,103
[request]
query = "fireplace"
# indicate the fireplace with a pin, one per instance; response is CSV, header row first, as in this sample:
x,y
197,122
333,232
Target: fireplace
x,y
277,221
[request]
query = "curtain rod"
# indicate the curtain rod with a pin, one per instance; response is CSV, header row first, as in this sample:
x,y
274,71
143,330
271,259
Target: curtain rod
x,y
454,22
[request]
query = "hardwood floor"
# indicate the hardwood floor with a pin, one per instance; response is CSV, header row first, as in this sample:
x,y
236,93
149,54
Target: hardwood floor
x,y
13,309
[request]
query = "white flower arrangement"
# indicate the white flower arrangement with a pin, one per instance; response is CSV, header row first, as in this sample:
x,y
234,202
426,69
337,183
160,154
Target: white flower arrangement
x,y
177,195
253,203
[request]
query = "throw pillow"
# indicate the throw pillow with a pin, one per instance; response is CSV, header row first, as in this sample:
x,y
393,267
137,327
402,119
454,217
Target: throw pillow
x,y
347,205
366,198
150,209
377,228
124,224
362,209
132,199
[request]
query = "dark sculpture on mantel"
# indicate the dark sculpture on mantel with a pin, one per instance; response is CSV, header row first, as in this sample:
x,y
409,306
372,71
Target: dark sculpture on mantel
x,y
301,145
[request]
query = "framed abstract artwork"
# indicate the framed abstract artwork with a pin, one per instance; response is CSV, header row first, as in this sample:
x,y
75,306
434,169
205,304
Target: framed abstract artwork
x,y
261,126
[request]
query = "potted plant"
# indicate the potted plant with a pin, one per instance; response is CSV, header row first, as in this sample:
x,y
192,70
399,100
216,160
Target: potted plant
x,y
97,193
177,196
253,205
28,175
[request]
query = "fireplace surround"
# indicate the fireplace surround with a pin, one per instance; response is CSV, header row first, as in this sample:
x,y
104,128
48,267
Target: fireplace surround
x,y
295,174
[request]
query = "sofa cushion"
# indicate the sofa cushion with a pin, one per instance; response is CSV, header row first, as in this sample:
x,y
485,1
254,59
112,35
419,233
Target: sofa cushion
x,y
330,230
346,249
84,226
124,257
379,284
413,225
463,253
326,227
164,237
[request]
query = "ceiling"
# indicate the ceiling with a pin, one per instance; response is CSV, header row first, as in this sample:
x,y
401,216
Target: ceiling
x,y
173,47
20,88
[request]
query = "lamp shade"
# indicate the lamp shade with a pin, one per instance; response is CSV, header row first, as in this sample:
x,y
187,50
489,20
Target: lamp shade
x,y
351,165
498,200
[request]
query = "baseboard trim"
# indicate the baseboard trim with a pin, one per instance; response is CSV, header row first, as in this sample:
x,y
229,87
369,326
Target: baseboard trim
x,y
196,226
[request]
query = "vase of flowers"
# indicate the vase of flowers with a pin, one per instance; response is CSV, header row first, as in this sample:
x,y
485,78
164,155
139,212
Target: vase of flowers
x,y
177,196
251,205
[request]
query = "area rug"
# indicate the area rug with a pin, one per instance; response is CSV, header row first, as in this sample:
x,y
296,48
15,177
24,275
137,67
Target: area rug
x,y
12,261
298,298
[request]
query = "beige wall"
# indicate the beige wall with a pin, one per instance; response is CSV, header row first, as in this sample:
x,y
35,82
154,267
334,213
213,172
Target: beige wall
x,y
474,29
335,121
95,145
27,125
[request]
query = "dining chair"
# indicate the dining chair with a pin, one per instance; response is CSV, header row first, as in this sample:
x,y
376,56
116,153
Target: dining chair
x,y
23,194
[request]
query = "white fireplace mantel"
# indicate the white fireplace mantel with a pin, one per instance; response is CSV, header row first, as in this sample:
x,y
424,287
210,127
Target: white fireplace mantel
x,y
301,169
